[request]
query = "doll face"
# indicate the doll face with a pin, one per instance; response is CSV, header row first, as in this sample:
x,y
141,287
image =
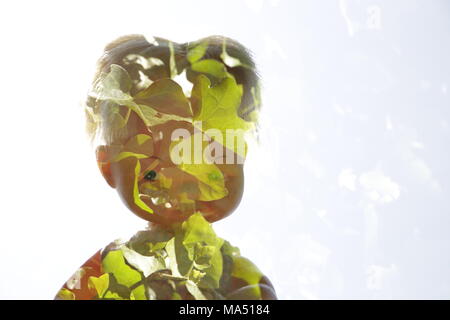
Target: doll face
x,y
167,150
148,177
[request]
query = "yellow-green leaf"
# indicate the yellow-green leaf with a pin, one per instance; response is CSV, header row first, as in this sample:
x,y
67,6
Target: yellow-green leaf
x,y
217,108
126,154
114,262
138,293
166,96
211,67
245,270
196,53
198,233
211,181
136,195
100,284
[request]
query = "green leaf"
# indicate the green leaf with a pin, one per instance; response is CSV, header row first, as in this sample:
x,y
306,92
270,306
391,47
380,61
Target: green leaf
x,y
126,154
138,293
165,96
247,271
229,250
218,105
100,284
211,181
195,252
176,296
176,252
152,117
197,230
113,296
136,195
197,234
196,53
217,108
150,242
183,260
210,67
147,265
213,273
203,255
114,263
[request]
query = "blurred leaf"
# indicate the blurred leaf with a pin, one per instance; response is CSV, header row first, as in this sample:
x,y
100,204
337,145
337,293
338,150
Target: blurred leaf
x,y
149,242
196,53
230,61
245,270
172,61
194,290
113,296
138,293
176,296
114,85
210,67
165,96
126,154
140,144
65,294
230,250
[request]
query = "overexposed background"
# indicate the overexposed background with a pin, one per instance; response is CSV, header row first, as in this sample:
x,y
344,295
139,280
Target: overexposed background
x,y
347,195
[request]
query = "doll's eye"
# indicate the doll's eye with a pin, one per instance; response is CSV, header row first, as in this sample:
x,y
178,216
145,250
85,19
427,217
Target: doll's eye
x,y
151,175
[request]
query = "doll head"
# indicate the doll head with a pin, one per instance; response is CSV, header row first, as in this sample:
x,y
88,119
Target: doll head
x,y
169,122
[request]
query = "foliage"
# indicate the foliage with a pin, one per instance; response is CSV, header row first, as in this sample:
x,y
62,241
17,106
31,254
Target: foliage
x,y
188,262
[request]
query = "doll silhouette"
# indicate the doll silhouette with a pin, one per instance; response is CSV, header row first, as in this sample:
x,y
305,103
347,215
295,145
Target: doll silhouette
x,y
168,121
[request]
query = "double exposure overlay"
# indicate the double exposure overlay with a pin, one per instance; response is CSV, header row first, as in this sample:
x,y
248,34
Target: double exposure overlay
x,y
169,123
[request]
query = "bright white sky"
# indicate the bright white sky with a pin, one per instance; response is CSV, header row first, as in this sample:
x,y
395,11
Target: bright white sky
x,y
347,195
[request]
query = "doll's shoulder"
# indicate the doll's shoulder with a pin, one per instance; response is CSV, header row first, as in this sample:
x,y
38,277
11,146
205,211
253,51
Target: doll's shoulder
x,y
242,279
188,262
77,287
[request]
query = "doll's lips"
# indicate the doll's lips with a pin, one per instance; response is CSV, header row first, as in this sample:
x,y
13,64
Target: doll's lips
x,y
156,197
169,214
163,203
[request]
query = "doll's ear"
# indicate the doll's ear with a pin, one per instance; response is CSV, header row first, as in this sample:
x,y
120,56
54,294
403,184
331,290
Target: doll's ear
x,y
103,154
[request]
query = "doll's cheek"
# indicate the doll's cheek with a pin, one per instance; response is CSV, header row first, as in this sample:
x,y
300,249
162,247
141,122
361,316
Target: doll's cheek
x,y
123,174
234,183
105,170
